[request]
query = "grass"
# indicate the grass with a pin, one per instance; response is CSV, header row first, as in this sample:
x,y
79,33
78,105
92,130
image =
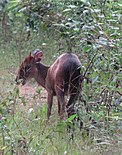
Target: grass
x,y
25,130
23,123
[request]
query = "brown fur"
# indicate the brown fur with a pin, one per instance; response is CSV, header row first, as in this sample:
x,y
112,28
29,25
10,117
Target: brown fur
x,y
60,79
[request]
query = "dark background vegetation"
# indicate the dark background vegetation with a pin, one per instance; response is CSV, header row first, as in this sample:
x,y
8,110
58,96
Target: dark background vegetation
x,y
93,30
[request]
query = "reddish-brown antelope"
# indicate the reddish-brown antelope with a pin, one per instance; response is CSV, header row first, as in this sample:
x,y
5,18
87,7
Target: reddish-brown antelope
x,y
60,79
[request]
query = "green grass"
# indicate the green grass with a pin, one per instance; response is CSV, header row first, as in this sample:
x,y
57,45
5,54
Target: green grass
x,y
25,129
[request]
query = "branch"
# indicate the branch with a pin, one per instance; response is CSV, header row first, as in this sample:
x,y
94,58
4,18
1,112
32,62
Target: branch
x,y
89,65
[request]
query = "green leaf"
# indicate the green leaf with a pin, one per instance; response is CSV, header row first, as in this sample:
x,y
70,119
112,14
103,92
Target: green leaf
x,y
71,117
67,10
95,79
12,4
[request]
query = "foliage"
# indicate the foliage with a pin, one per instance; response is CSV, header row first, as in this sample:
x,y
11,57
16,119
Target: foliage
x,y
25,130
92,30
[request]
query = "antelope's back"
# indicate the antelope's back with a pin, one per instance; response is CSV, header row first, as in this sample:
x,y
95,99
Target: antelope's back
x,y
64,71
66,65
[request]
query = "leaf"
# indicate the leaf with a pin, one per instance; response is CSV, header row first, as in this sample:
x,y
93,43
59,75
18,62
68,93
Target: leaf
x,y
101,16
3,147
95,79
101,32
84,1
24,9
72,6
102,41
67,10
96,10
71,117
59,25
119,4
12,4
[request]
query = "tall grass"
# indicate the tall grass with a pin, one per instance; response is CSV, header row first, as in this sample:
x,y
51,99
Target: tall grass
x,y
24,127
25,130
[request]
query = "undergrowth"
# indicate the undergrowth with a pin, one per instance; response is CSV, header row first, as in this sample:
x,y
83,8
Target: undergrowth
x,y
25,129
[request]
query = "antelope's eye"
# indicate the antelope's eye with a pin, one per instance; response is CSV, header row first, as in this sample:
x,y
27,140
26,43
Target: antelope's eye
x,y
24,72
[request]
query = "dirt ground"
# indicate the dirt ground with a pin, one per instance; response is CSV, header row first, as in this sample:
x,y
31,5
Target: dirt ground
x,y
33,94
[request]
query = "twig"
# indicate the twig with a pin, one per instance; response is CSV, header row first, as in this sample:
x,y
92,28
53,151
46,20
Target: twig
x,y
89,65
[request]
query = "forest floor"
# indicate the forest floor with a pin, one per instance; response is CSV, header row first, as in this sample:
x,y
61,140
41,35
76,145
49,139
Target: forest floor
x,y
29,92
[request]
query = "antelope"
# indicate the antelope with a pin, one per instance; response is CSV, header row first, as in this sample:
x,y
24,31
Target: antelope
x,y
60,79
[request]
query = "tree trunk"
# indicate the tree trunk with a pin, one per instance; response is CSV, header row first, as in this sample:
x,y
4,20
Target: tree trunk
x,y
4,25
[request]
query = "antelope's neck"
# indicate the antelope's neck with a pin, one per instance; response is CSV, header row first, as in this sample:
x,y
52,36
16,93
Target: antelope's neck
x,y
41,74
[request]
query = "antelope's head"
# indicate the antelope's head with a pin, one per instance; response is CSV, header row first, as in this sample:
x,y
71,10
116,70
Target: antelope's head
x,y
27,68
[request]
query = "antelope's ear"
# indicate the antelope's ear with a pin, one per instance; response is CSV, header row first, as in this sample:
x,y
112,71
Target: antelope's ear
x,y
37,54
28,58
